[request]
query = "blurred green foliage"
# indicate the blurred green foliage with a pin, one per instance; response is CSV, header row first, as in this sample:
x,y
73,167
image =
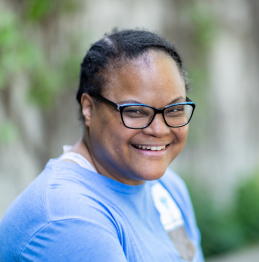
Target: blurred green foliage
x,y
202,31
36,11
22,52
219,230
229,228
8,132
247,207
203,23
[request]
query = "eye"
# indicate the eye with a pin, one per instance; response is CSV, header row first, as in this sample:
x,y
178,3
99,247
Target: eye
x,y
175,111
137,111
132,111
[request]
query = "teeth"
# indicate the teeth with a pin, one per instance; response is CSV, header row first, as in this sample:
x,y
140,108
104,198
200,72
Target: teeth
x,y
153,148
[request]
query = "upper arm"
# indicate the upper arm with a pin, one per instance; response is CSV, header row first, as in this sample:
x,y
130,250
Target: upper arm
x,y
74,240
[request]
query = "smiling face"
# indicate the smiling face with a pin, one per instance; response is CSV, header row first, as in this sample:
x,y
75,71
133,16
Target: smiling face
x,y
121,153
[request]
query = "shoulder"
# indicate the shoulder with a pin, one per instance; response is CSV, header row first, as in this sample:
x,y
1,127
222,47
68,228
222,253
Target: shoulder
x,y
60,201
74,239
73,191
174,183
178,189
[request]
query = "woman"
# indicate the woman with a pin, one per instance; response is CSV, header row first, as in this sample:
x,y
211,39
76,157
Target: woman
x,y
110,197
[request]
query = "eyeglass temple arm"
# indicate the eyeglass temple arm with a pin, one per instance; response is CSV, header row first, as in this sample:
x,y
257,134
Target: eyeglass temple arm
x,y
108,102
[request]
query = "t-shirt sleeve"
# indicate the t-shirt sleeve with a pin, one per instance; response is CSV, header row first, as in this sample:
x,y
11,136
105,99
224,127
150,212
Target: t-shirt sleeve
x,y
74,240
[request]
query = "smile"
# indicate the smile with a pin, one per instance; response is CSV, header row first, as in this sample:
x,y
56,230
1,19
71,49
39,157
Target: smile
x,y
152,148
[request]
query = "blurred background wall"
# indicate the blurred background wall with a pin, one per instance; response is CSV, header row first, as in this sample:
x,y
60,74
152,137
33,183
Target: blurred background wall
x,y
41,46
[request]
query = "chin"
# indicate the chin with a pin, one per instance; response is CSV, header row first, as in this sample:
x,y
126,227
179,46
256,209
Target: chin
x,y
152,175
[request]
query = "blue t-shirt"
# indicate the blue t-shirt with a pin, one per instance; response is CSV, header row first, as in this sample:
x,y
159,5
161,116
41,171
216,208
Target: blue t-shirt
x,y
69,213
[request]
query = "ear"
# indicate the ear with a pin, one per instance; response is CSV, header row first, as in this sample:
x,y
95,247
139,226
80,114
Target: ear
x,y
87,108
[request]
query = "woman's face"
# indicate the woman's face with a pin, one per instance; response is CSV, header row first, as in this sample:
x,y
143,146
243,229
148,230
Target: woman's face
x,y
154,81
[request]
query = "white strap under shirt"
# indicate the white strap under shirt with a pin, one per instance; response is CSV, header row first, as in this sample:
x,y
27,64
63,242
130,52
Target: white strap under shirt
x,y
77,158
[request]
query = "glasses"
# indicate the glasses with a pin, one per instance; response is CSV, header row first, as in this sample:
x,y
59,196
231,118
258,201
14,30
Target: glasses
x,y
138,116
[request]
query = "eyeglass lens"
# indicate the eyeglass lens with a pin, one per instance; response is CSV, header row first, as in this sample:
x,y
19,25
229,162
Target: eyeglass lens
x,y
140,116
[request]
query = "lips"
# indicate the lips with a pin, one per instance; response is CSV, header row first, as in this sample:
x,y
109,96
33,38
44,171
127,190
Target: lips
x,y
151,148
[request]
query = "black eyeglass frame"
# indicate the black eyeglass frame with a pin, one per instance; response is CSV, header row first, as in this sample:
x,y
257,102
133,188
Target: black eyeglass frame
x,y
120,108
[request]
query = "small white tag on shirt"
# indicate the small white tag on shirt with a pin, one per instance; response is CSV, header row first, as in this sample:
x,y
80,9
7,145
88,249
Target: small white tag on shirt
x,y
170,214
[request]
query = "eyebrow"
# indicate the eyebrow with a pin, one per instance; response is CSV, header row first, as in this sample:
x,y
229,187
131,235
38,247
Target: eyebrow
x,y
176,100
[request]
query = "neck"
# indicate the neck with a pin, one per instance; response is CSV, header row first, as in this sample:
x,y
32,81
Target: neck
x,y
81,148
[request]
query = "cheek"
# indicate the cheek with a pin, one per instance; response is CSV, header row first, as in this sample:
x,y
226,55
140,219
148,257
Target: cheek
x,y
181,134
112,137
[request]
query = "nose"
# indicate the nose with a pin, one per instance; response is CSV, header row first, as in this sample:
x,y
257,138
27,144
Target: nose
x,y
158,127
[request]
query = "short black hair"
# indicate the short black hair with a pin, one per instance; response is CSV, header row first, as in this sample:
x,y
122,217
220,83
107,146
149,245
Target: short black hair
x,y
125,45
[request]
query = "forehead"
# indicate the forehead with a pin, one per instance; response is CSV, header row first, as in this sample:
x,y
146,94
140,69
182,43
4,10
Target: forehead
x,y
152,76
